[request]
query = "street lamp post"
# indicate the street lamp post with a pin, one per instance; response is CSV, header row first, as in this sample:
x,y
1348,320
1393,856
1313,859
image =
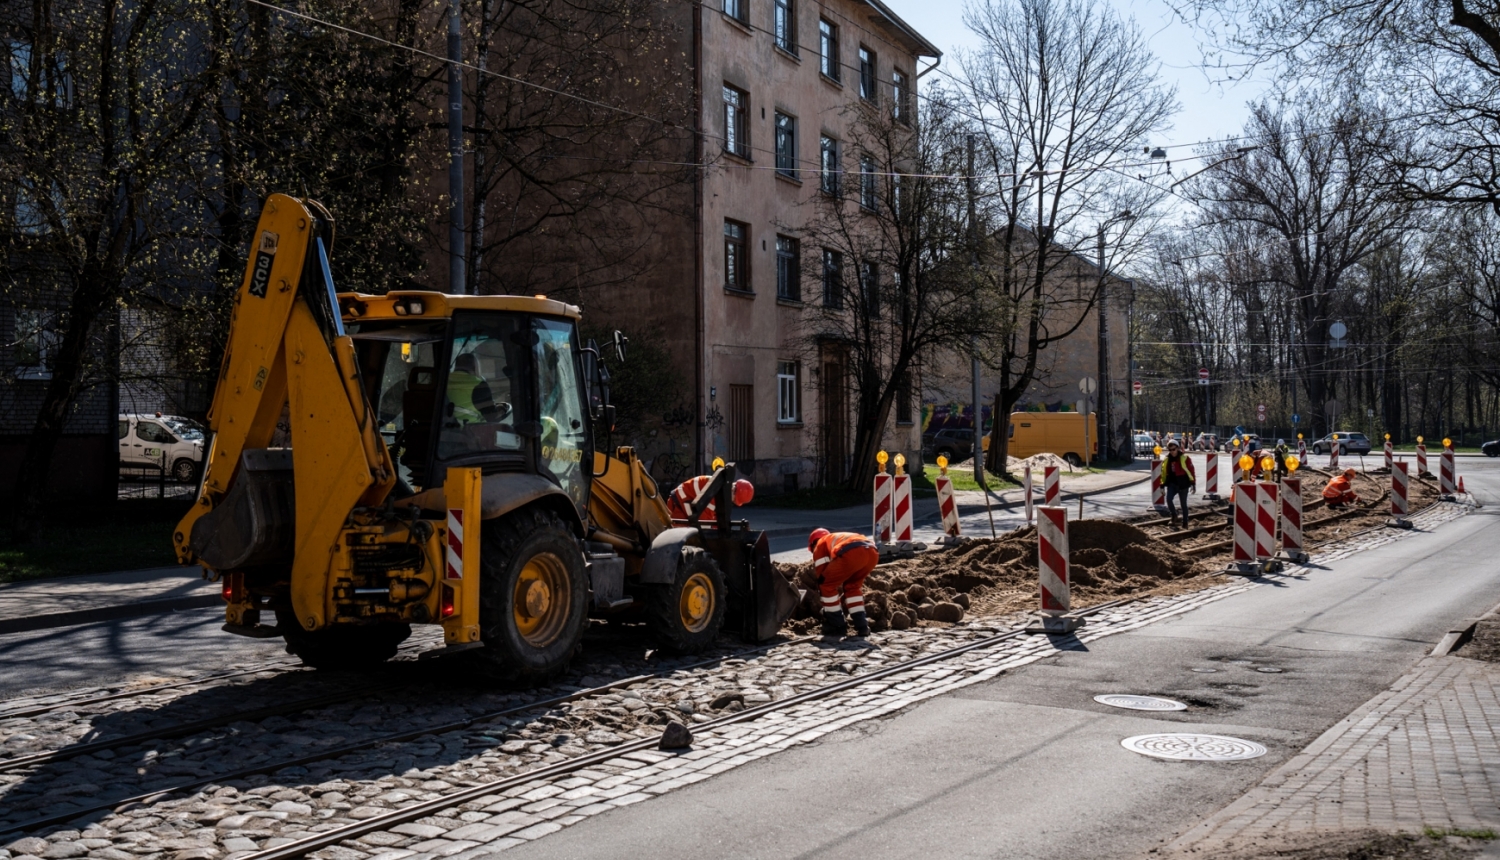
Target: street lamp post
x,y
1105,433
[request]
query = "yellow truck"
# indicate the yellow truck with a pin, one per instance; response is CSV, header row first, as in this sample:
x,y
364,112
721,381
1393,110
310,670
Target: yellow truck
x,y
1067,434
380,461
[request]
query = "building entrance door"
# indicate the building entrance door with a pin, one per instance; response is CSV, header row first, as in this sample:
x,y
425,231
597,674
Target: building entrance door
x,y
835,429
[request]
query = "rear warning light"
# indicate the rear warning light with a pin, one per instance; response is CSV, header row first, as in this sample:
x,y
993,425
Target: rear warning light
x,y
233,589
447,608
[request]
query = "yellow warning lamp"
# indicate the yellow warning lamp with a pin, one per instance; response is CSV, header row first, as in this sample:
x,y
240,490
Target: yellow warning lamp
x,y
1447,443
900,464
1420,440
1387,437
1156,450
717,464
1292,463
1246,464
1299,436
881,458
1335,437
1266,464
942,464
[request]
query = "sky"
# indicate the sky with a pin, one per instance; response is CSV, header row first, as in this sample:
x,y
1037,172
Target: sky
x,y
1209,110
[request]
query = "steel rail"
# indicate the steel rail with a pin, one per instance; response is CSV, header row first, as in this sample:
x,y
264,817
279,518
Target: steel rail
x,y
139,691
314,842
397,737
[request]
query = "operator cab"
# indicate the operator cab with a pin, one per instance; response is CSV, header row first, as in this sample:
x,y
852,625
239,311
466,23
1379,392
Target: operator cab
x,y
501,389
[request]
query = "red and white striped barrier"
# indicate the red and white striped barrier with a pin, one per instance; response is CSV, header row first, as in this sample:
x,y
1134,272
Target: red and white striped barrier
x,y
1400,490
901,507
881,529
1291,519
1390,454
1026,484
1158,490
1265,519
1422,459
1333,456
455,569
1210,476
1050,488
946,506
1447,468
1244,524
1302,450
1052,558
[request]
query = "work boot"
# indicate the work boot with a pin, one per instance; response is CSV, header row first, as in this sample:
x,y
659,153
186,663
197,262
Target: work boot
x,y
833,624
861,624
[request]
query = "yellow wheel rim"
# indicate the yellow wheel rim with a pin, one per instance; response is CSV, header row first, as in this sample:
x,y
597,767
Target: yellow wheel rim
x,y
696,605
540,602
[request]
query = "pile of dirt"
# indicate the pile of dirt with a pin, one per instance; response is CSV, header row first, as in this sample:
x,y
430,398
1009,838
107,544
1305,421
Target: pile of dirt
x,y
1015,465
1108,559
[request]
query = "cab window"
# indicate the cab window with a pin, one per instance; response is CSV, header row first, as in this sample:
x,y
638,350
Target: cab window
x,y
150,431
484,395
124,429
564,441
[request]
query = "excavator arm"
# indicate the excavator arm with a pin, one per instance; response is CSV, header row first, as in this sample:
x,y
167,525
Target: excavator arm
x,y
287,362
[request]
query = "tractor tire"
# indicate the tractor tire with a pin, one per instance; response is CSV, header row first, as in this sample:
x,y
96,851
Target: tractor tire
x,y
349,647
185,471
533,600
686,616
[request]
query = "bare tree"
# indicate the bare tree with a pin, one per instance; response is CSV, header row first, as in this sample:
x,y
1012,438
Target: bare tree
x,y
1441,62
1058,91
885,240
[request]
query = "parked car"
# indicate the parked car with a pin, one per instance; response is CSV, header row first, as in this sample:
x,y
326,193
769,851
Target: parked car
x,y
1349,442
1144,443
955,443
1491,449
161,441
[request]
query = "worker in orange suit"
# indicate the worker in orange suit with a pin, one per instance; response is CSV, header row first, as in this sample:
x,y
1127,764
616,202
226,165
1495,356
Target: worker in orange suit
x,y
1340,491
841,561
687,492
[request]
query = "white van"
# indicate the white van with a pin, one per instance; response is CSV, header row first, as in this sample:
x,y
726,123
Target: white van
x,y
162,441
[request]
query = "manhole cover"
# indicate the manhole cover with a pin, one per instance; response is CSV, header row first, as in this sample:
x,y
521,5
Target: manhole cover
x,y
1204,669
1269,670
1140,703
1188,747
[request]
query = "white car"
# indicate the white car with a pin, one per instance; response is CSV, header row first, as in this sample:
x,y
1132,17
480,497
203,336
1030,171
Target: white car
x,y
164,442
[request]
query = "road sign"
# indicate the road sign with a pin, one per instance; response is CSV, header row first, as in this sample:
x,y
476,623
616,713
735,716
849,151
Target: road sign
x,y
1087,385
1296,419
1137,386
1202,373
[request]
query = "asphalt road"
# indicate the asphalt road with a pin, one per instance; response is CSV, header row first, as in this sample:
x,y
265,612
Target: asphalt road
x,y
1029,766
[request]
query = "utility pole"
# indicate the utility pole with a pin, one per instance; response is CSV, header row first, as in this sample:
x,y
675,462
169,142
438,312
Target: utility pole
x,y
974,340
456,280
1103,309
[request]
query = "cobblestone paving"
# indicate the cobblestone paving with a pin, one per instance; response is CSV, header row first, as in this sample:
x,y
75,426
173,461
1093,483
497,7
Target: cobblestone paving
x,y
1424,753
231,819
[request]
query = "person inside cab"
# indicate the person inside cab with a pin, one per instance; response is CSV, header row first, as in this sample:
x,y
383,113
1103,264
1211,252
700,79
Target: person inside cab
x,y
469,393
1340,490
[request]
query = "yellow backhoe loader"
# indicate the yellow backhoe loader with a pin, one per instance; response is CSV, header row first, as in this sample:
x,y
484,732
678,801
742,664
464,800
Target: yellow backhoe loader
x,y
422,458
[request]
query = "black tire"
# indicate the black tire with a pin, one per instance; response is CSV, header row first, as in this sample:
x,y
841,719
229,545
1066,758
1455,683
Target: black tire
x,y
675,613
1493,452
1073,459
342,647
185,471
524,550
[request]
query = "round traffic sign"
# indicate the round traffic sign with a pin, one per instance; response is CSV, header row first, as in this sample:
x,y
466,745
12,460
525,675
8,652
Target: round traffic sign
x,y
1087,385
1202,373
1137,386
1337,331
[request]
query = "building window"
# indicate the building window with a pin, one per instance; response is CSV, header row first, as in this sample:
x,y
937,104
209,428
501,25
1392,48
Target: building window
x,y
896,194
788,392
785,25
828,49
869,195
788,269
786,145
36,342
736,121
736,260
866,74
828,166
739,10
833,279
900,97
869,288
903,401
20,69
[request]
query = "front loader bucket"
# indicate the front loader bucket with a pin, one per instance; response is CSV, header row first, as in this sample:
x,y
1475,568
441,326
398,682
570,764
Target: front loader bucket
x,y
772,597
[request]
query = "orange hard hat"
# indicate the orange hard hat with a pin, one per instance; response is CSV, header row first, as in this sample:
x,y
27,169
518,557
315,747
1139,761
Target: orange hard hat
x,y
1350,473
744,491
817,535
